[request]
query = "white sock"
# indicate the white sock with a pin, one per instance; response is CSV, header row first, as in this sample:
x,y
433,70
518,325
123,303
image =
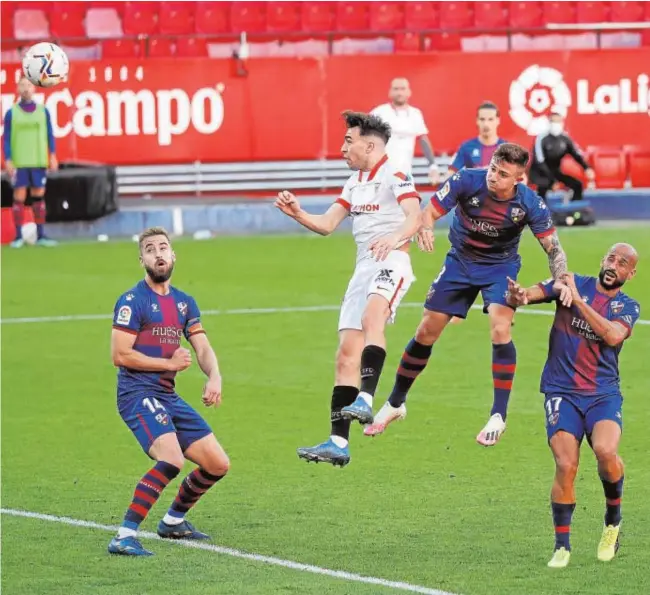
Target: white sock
x,y
340,442
367,398
168,519
123,532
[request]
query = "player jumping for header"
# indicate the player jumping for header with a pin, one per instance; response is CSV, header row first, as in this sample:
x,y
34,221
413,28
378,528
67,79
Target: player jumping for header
x,y
492,209
581,385
386,214
149,321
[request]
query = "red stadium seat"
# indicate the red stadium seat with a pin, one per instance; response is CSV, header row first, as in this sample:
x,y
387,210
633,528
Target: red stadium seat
x,y
442,42
639,167
248,16
525,15
386,16
592,12
407,42
421,16
67,24
352,16
191,47
559,12
572,168
609,165
76,7
176,18
283,17
139,19
317,17
490,15
160,47
627,12
456,15
212,17
118,5
121,48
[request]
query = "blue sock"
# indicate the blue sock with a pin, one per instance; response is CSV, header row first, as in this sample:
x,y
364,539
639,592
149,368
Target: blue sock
x,y
504,364
562,514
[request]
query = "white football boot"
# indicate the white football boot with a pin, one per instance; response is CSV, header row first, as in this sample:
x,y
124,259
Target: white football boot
x,y
386,415
492,431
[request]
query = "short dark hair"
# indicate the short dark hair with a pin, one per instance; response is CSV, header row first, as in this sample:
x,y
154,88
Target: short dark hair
x,y
488,105
367,124
151,232
511,153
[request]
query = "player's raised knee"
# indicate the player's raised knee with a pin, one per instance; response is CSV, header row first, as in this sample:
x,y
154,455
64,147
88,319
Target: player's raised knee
x,y
567,466
219,465
501,332
430,328
347,359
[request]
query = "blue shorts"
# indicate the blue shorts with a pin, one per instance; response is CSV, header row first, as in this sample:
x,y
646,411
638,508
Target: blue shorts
x,y
150,416
30,177
578,415
455,289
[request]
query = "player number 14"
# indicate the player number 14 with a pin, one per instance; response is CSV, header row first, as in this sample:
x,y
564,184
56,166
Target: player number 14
x,y
553,405
152,404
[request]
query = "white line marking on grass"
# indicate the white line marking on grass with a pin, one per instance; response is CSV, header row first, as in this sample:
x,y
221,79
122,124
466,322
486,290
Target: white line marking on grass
x,y
226,551
248,311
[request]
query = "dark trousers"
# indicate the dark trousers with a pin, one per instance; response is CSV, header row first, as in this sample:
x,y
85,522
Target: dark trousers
x,y
543,186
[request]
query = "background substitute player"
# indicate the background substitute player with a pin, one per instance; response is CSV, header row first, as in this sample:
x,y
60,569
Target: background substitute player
x,y
149,321
492,210
29,153
582,389
386,213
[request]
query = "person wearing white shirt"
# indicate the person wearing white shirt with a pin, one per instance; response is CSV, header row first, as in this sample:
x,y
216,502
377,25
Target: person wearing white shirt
x,y
407,124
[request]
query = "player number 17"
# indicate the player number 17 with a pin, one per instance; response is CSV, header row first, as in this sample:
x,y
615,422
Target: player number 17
x,y
553,404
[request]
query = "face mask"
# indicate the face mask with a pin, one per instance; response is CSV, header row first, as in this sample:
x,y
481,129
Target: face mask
x,y
556,128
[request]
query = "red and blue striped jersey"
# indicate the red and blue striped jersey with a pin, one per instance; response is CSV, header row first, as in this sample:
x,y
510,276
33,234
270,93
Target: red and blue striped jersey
x,y
579,362
159,322
473,153
484,228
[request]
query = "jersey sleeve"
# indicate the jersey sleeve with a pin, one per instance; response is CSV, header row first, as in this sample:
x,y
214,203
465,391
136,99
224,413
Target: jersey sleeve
x,y
459,159
628,315
126,315
345,200
193,325
445,199
420,127
403,187
547,289
539,219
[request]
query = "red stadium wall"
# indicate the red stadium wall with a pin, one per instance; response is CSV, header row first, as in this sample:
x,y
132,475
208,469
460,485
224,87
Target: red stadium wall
x,y
182,110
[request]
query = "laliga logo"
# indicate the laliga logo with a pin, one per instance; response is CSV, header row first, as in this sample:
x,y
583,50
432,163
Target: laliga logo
x,y
538,92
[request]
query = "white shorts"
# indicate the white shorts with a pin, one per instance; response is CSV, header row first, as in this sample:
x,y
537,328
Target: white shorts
x,y
390,278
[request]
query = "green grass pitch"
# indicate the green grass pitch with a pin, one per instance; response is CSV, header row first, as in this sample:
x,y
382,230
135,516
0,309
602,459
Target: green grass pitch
x,y
423,504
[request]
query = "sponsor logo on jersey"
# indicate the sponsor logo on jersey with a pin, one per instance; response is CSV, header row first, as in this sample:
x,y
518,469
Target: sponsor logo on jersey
x,y
367,208
124,315
182,308
155,308
474,202
443,191
385,276
128,297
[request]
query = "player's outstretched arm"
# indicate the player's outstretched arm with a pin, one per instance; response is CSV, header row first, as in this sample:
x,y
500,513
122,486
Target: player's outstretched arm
x,y
123,354
207,360
557,260
537,294
610,331
323,224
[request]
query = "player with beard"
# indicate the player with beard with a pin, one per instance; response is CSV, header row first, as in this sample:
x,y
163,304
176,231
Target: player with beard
x,y
581,385
148,323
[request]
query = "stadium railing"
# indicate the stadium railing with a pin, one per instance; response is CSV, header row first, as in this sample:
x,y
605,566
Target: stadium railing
x,y
220,178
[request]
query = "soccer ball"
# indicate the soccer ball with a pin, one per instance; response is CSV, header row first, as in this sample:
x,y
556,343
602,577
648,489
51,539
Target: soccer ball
x,y
46,64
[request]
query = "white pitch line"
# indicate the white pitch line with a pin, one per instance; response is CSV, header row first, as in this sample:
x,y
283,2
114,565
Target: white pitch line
x,y
247,311
226,551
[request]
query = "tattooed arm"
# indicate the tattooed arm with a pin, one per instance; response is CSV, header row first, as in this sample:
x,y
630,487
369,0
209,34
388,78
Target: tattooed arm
x,y
557,261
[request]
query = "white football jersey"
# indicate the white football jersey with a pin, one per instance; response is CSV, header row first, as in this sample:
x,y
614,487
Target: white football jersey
x,y
406,124
373,200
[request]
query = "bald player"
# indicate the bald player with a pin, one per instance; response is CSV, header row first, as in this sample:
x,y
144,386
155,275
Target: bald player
x,y
581,385
406,124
